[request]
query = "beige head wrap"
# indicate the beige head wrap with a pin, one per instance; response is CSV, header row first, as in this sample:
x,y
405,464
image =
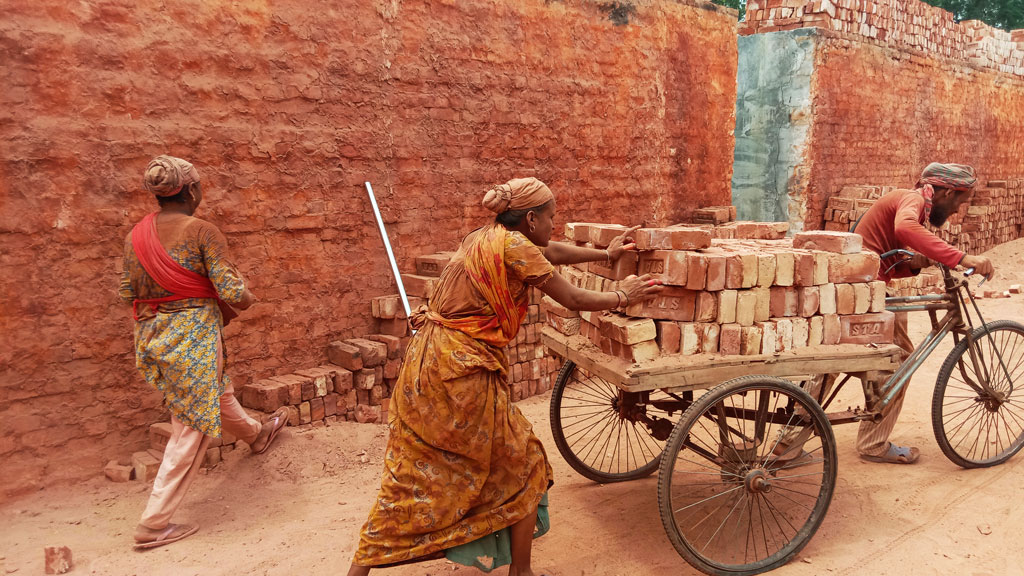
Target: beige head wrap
x,y
517,194
165,175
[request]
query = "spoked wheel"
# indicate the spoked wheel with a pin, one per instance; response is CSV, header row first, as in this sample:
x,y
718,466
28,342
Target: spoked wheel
x,y
747,476
978,406
605,434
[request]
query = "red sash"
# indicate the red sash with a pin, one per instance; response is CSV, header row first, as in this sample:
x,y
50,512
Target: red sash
x,y
181,282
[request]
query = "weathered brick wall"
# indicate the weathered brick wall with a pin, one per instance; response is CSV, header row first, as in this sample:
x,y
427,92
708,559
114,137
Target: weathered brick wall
x,y
882,114
286,109
893,86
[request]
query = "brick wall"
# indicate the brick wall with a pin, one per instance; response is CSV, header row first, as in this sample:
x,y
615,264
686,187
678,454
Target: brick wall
x,y
893,86
626,111
882,114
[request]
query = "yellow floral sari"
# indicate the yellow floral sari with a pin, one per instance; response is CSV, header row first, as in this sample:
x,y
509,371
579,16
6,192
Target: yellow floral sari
x,y
461,462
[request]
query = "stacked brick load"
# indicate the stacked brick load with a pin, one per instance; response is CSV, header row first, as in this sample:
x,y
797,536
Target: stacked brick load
x,y
994,216
730,296
904,23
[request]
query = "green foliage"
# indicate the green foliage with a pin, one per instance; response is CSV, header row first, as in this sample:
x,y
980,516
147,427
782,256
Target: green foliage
x,y
740,5
1004,14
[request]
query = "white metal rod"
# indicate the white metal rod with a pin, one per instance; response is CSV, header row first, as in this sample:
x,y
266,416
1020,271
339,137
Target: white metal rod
x,y
387,246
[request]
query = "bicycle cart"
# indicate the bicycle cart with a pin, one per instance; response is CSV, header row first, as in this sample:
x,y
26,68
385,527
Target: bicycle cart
x,y
748,465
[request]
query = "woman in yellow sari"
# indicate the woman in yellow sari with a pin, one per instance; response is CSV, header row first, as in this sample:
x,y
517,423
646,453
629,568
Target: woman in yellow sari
x,y
462,463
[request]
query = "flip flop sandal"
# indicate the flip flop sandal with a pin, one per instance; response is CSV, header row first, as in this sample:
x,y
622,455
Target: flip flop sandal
x,y
277,421
172,533
895,455
791,459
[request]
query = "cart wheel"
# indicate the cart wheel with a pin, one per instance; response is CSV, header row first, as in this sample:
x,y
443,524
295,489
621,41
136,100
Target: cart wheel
x,y
747,476
598,438
977,413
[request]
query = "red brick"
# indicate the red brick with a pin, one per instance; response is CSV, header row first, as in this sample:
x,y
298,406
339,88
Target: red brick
x,y
831,329
625,265
750,340
116,472
861,298
867,328
669,336
364,379
627,330
727,306
746,305
346,355
672,303
765,269
716,270
431,265
783,334
709,338
808,301
367,414
145,466
838,242
372,353
57,559
769,337
393,343
845,299
331,404
387,307
322,378
675,238
316,408
707,307
729,339
265,395
601,235
803,269
667,265
690,335
697,271
785,268
848,268
421,286
395,327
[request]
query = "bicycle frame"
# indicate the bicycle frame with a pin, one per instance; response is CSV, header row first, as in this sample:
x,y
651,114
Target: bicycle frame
x,y
953,302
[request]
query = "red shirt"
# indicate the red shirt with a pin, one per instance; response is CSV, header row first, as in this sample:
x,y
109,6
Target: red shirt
x,y
896,220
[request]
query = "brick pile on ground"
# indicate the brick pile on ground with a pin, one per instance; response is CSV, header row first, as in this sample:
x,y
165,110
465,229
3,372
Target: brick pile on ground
x,y
531,370
912,24
729,296
143,465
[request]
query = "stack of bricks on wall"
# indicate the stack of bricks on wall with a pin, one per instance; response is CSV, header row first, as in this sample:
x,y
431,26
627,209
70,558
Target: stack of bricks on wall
x,y
911,24
993,216
741,295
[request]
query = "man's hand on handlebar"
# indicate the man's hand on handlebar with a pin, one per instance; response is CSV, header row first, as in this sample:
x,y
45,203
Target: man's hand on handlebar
x,y
981,265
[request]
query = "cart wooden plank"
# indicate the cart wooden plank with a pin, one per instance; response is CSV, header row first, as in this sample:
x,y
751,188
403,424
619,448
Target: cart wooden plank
x,y
705,370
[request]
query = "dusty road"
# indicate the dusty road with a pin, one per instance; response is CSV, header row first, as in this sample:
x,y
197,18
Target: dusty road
x,y
297,509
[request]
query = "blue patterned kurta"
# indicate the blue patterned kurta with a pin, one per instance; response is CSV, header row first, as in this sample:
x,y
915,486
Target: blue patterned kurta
x,y
176,349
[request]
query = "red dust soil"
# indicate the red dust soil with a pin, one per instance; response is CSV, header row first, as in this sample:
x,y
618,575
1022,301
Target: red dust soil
x,y
297,509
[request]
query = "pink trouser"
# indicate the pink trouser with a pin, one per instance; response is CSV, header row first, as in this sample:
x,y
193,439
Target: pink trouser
x,y
873,437
183,456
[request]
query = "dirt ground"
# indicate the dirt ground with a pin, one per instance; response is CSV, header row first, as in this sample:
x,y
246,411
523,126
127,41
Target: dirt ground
x,y
298,508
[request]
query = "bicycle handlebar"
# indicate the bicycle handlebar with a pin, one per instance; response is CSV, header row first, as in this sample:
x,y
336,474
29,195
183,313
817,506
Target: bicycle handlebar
x,y
908,254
